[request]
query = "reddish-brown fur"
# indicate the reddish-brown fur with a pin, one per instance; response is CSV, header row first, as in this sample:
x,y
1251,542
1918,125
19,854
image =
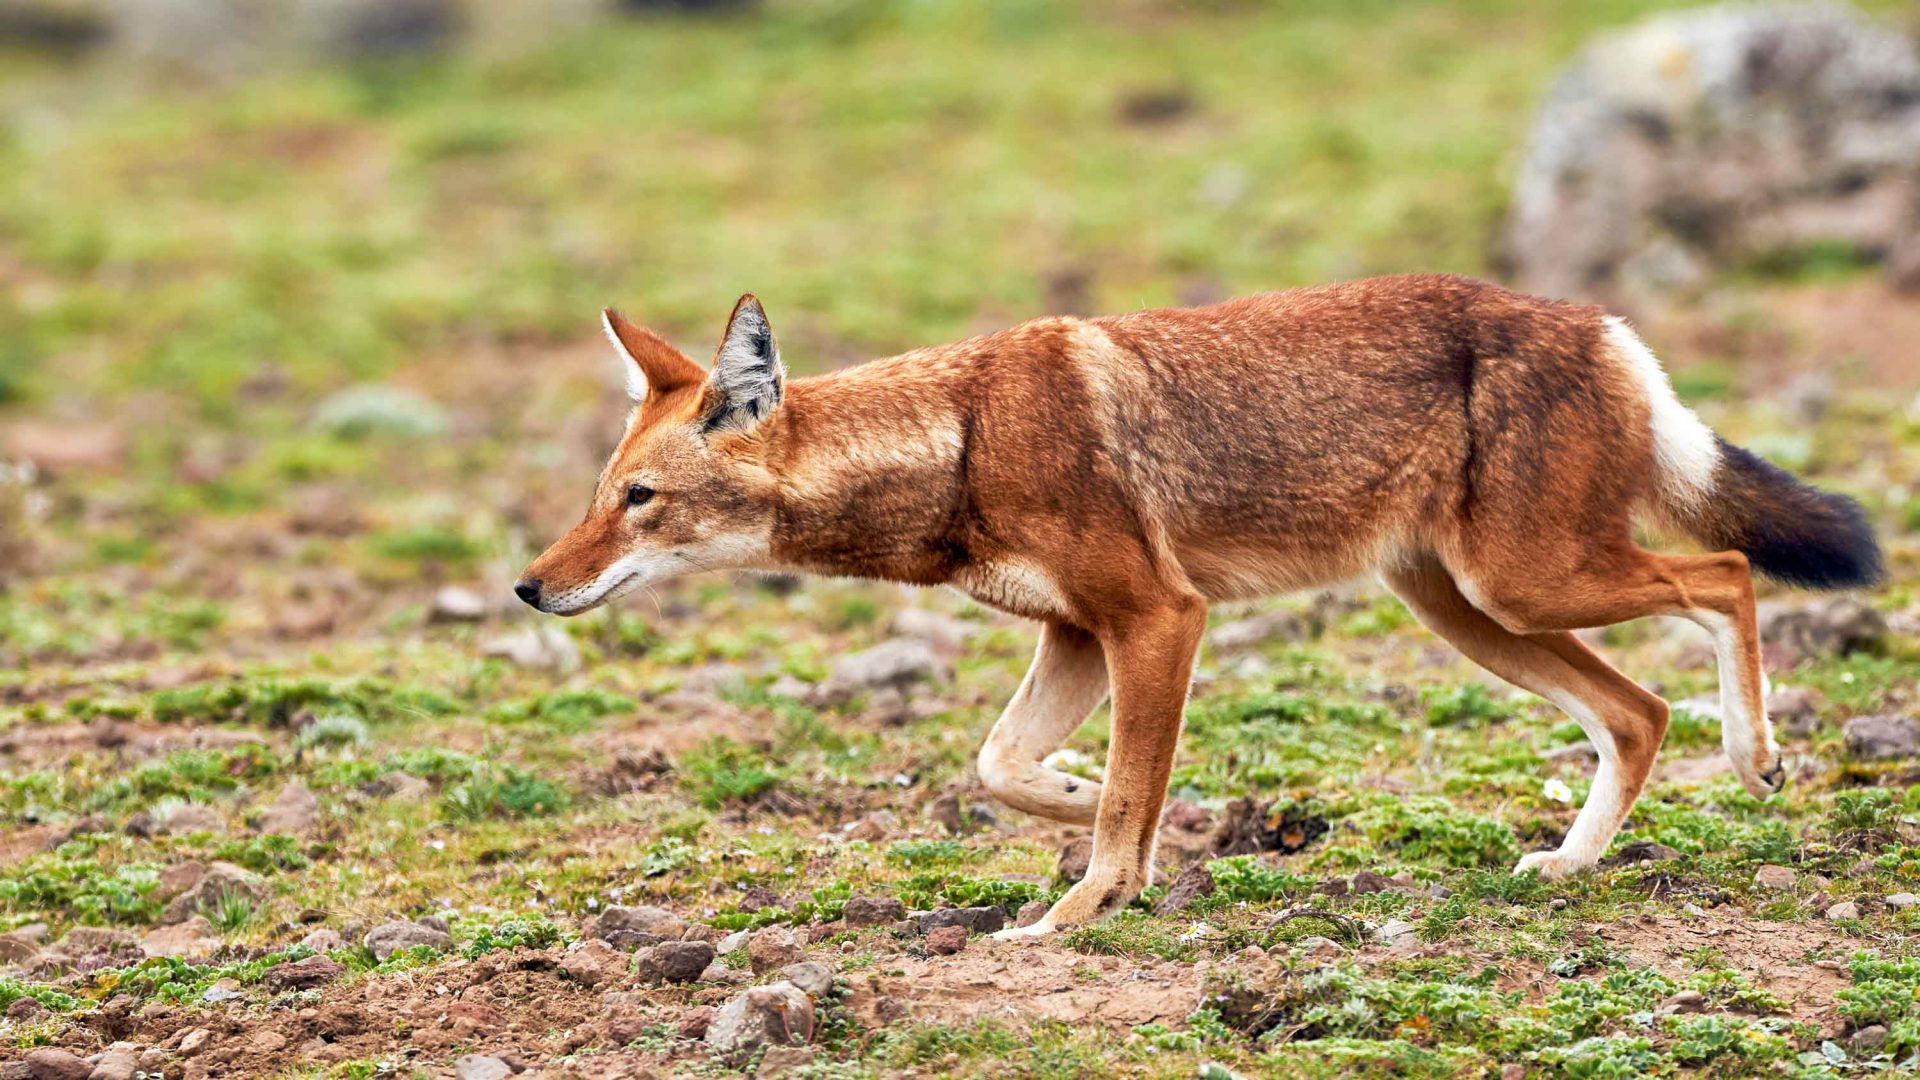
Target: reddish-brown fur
x,y
1111,477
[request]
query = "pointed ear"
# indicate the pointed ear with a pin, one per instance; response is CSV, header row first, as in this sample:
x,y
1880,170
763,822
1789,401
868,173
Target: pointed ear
x,y
651,363
748,379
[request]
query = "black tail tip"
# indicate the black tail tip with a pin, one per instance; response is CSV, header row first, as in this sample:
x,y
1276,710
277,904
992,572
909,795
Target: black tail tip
x,y
1829,545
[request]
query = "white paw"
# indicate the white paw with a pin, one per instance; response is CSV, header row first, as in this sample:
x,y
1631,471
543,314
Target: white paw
x,y
1552,865
1021,933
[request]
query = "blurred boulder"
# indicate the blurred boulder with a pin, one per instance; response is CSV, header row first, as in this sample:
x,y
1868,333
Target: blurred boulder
x,y
1736,135
226,37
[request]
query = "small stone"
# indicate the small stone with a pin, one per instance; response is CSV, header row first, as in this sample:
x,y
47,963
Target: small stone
x,y
864,911
295,811
222,882
323,940
457,603
193,939
1194,883
480,1067
25,1010
117,1062
874,827
1513,1070
51,1064
1686,1001
1868,1040
775,1015
178,878
1846,909
771,948
1795,710
1031,912
733,942
1251,633
189,818
626,927
1396,932
979,920
302,974
935,628
543,647
946,940
812,977
897,665
15,949
592,962
194,1041
1371,881
1878,738
1320,948
682,961
389,938
1075,856
1776,878
1901,901
693,1023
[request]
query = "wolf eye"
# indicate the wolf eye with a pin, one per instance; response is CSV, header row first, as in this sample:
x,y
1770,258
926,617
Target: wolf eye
x,y
638,494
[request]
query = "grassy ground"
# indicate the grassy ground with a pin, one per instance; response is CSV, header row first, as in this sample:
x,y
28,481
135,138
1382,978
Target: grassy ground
x,y
217,582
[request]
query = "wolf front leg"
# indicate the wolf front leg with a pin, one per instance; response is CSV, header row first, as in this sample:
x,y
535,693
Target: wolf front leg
x,y
1150,663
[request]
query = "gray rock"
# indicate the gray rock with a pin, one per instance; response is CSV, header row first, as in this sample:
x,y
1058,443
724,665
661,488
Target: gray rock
x,y
935,628
295,811
898,664
682,961
457,603
480,1067
1832,627
222,880
977,920
323,940
189,818
389,938
1686,1001
1397,932
1718,136
732,943
545,647
1775,878
1869,1039
1901,901
1846,909
776,1015
1030,912
863,911
192,938
1795,710
645,925
812,977
15,949
1878,738
1258,630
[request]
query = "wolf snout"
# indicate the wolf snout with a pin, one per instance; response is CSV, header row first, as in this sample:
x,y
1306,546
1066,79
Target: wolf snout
x,y
528,590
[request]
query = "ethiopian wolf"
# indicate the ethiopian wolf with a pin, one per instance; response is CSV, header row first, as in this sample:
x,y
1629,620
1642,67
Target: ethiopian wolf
x,y
1484,452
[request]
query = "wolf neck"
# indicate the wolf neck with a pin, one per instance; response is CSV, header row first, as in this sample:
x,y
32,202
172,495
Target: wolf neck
x,y
871,469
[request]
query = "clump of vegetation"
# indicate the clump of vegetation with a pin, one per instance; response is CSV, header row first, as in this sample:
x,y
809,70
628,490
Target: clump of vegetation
x,y
504,792
722,771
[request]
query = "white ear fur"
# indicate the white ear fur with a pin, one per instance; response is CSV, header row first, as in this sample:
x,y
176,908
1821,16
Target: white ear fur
x,y
748,378
629,367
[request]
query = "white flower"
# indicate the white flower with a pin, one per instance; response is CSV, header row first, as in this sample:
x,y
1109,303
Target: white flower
x,y
1198,931
1557,790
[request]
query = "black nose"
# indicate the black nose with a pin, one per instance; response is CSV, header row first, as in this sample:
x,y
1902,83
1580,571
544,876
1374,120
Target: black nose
x,y
528,590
